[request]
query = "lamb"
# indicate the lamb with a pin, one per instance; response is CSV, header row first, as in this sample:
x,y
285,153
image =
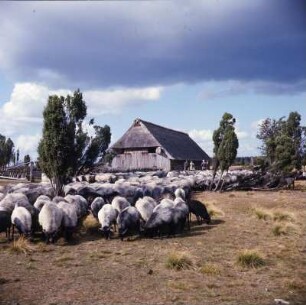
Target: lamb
x,y
50,218
107,216
120,203
5,223
198,208
70,218
22,219
128,221
96,206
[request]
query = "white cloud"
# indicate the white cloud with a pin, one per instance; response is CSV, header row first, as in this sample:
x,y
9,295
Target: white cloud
x,y
21,117
113,101
203,138
221,89
27,144
201,135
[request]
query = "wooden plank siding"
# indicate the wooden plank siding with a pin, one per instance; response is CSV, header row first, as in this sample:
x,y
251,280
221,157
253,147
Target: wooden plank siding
x,y
136,160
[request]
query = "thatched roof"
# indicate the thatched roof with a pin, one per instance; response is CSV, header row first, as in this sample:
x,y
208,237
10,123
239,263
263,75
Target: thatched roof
x,y
178,145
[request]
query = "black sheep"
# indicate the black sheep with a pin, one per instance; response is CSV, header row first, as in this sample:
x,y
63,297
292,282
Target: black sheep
x,y
198,208
5,223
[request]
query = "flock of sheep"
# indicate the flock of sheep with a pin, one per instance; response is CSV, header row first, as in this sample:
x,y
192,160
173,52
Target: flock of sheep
x,y
148,204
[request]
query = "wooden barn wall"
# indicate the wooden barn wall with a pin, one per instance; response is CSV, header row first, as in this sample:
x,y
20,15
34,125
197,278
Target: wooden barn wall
x,y
140,160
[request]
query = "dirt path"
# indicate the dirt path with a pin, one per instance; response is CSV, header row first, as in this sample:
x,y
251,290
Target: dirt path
x,y
95,271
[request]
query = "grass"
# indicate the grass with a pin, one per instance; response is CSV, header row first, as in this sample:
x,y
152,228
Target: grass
x,y
284,229
210,269
178,261
250,259
212,210
263,214
21,245
282,215
90,223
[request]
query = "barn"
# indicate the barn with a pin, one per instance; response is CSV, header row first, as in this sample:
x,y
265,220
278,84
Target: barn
x,y
147,146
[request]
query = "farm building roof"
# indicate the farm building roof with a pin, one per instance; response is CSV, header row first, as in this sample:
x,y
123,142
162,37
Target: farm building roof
x,y
177,144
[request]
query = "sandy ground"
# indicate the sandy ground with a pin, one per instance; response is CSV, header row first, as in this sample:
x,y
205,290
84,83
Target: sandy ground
x,y
95,271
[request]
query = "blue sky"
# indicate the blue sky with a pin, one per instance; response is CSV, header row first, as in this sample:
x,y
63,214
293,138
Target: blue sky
x,y
180,64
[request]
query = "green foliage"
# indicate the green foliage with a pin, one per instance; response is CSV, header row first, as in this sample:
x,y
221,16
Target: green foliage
x,y
284,144
6,150
65,148
225,143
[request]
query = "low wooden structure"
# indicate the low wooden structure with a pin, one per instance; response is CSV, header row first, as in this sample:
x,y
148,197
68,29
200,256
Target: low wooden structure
x,y
24,171
147,146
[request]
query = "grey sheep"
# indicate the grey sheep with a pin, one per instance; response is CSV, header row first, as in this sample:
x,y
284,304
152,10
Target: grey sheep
x,y
128,221
70,218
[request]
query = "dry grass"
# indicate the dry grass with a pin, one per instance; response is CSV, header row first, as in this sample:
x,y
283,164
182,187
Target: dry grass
x,y
115,272
21,245
90,223
283,215
212,210
178,261
284,229
250,259
210,269
263,214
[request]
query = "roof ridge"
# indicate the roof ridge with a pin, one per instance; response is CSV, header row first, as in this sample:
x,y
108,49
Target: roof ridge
x,y
185,133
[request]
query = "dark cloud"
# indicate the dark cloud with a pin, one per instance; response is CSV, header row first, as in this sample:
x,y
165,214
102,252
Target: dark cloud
x,y
101,44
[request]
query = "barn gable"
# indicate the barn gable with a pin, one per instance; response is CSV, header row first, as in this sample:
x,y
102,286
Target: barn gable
x,y
147,145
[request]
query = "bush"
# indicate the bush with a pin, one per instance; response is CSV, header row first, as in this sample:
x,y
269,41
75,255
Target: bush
x,y
250,259
178,261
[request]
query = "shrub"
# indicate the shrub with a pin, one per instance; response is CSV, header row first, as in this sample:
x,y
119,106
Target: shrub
x,y
250,259
178,261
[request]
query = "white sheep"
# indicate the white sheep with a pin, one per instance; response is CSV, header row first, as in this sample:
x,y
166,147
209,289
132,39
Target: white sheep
x,y
107,216
50,218
120,203
22,220
145,207
40,201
